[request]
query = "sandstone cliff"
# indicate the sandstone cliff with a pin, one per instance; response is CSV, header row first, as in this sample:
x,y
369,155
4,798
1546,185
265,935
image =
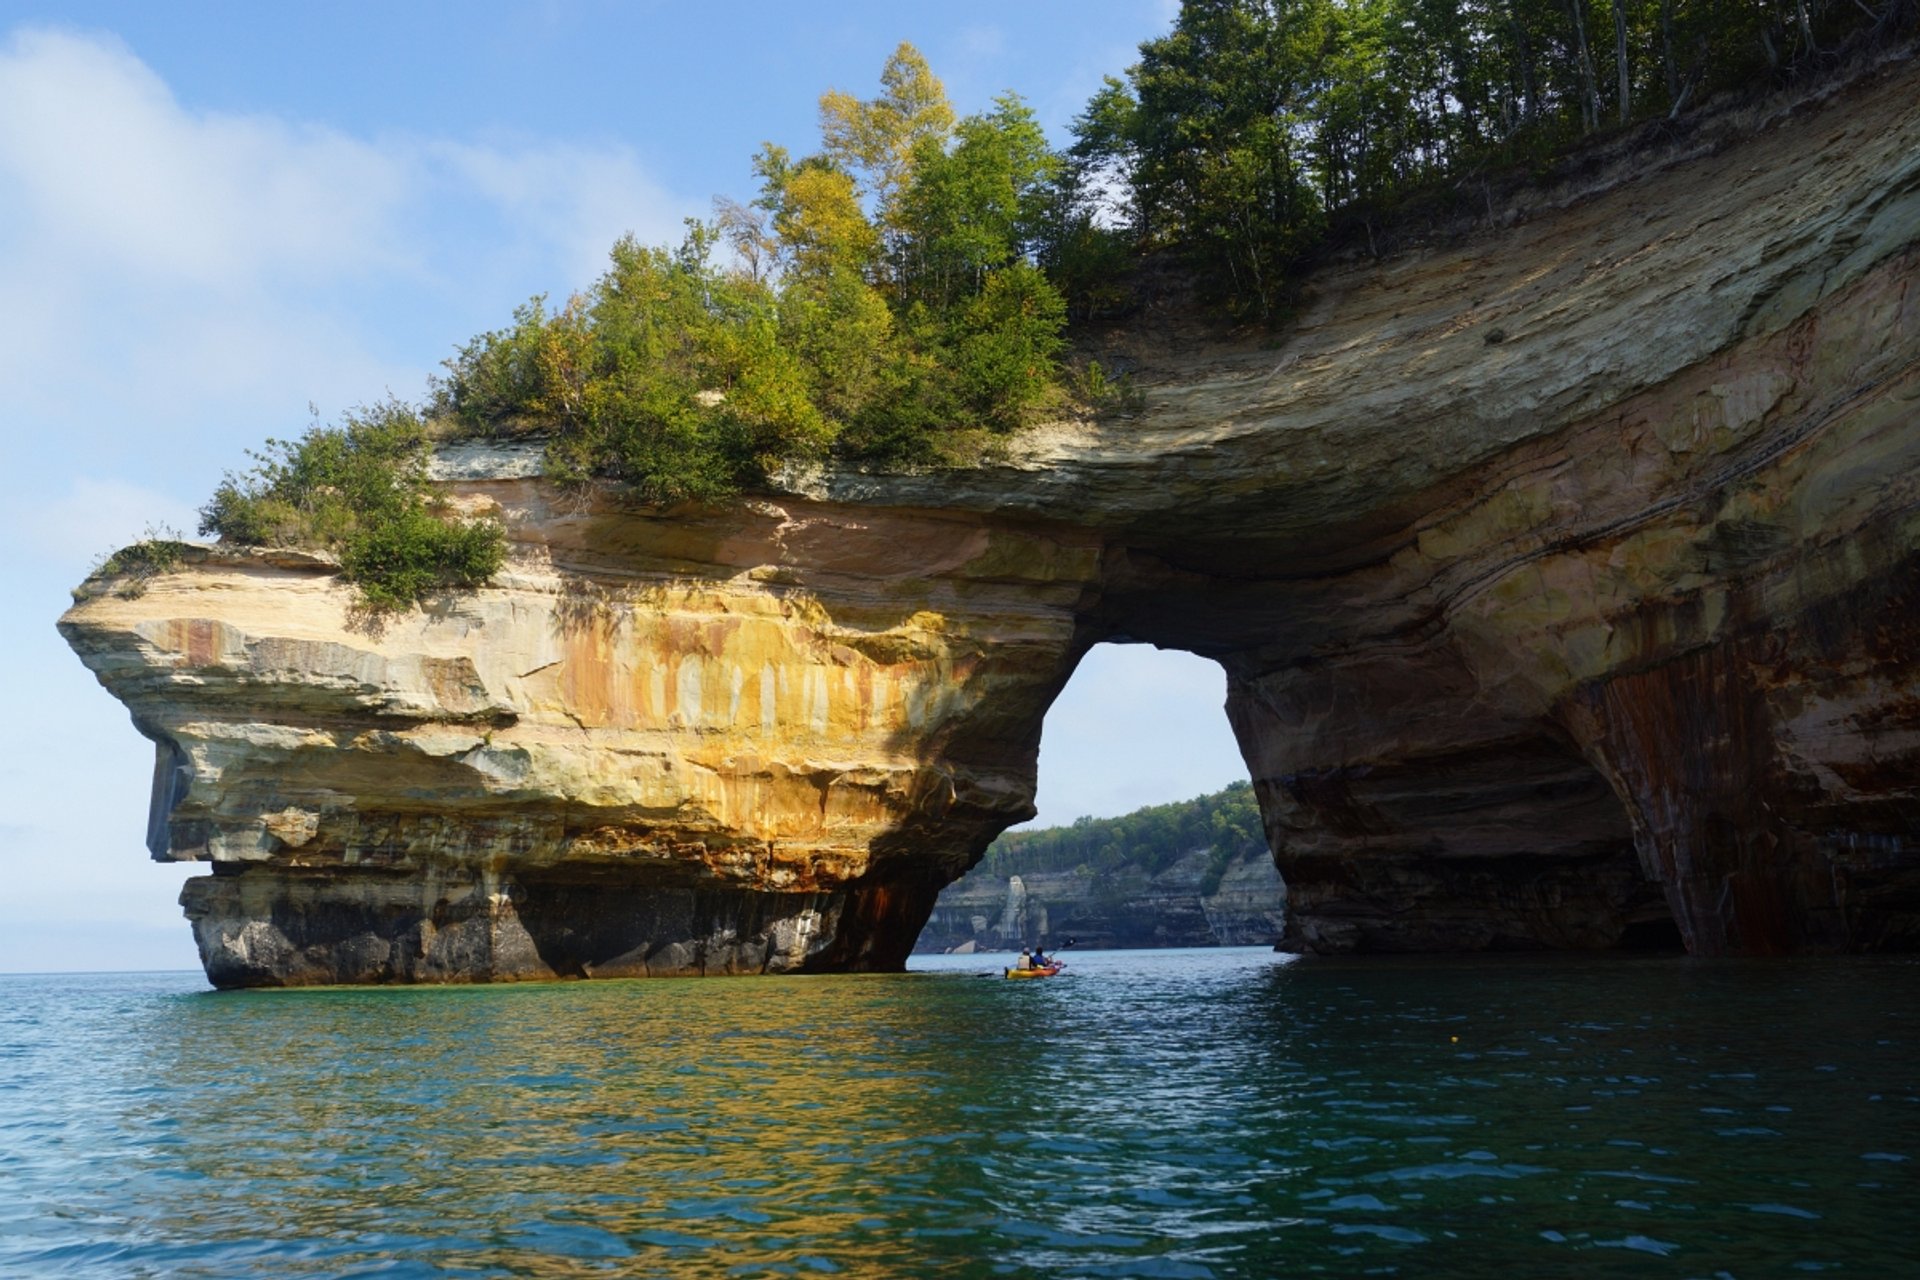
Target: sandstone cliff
x,y
1127,906
1565,579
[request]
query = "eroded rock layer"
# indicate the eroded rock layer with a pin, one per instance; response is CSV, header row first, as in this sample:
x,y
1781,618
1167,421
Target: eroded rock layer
x,y
763,738
1565,581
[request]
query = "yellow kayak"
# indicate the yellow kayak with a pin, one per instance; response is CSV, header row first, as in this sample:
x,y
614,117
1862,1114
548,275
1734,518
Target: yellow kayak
x,y
1045,971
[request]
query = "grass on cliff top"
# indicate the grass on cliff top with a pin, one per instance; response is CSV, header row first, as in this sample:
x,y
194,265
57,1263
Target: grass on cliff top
x,y
159,550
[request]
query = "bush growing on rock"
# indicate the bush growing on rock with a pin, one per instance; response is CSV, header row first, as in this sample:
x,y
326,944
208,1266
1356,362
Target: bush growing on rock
x,y
359,490
877,303
159,551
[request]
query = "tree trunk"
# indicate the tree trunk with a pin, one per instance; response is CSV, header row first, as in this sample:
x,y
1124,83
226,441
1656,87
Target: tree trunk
x,y
1529,93
1620,59
1589,93
1666,51
1463,94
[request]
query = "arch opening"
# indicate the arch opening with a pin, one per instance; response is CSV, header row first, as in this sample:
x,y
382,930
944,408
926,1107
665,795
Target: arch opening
x,y
1147,831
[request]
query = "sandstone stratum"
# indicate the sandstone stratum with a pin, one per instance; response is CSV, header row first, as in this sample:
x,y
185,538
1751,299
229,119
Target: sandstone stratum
x,y
1564,576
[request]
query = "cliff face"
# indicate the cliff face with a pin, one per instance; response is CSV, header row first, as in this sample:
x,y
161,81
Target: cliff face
x,y
1126,907
1565,580
760,738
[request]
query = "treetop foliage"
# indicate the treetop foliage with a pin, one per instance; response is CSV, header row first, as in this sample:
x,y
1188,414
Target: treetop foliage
x,y
878,300
882,138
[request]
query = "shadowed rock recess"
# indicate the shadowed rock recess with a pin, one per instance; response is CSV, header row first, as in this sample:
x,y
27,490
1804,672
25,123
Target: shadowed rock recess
x,y
1564,577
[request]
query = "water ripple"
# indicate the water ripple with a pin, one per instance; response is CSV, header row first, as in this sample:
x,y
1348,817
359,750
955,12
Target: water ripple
x,y
1194,1114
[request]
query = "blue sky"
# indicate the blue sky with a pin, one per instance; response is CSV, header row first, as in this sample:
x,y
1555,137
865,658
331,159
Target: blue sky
x,y
215,215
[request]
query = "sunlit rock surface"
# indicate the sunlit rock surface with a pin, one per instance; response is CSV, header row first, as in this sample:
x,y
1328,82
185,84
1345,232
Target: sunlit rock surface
x,y
1565,580
758,739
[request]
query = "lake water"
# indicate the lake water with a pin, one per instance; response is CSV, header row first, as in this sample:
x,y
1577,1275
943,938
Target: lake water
x,y
1173,1114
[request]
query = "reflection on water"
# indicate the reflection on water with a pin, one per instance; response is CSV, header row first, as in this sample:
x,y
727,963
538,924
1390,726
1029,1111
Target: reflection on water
x,y
1206,1114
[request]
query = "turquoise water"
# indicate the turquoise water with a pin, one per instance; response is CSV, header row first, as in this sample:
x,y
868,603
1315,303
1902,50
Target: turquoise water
x,y
1174,1114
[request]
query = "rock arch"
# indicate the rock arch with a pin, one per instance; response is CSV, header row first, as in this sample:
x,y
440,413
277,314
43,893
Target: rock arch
x,y
1565,577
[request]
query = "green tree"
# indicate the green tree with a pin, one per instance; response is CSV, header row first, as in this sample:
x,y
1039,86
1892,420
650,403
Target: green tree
x,y
1090,223
974,207
1146,841
524,376
691,380
1007,345
841,330
883,138
695,394
817,223
1223,139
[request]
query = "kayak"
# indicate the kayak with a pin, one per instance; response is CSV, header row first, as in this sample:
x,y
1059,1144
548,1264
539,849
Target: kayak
x,y
1046,971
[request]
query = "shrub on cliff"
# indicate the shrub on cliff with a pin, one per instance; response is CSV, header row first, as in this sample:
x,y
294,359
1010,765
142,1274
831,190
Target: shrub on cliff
x,y
361,491
671,375
158,552
877,301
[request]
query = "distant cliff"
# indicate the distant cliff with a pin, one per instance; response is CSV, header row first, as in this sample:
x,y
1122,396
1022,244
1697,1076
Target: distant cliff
x,y
1196,873
1192,903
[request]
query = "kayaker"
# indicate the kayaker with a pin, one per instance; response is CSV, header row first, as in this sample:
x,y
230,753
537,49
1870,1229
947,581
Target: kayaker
x,y
1040,960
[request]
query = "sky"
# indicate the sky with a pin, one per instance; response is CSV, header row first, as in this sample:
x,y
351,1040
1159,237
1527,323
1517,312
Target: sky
x,y
217,219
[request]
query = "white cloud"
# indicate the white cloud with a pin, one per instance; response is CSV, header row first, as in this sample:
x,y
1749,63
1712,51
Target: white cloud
x,y
166,270
118,174
114,173
983,42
